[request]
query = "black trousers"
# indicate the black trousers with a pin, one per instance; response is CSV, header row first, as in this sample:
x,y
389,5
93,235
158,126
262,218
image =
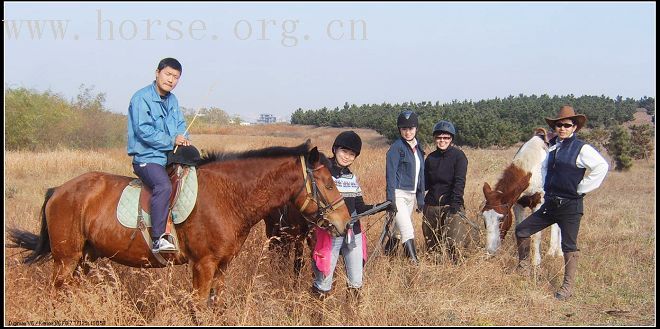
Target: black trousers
x,y
565,212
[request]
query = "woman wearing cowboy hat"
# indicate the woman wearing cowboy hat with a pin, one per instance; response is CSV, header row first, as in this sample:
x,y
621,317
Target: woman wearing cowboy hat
x,y
565,186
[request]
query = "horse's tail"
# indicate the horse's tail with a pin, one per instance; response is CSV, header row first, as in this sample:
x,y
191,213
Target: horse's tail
x,y
40,245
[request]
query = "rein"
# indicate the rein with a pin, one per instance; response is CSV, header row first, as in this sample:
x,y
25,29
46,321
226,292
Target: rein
x,y
369,212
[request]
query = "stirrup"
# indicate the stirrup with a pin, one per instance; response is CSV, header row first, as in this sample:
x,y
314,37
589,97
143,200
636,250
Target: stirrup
x,y
170,240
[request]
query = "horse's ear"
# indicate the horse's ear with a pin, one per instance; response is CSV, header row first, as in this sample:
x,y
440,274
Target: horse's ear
x,y
314,155
540,131
487,189
549,136
308,143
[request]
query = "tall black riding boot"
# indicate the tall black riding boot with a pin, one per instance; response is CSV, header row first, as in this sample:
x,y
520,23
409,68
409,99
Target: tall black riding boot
x,y
411,252
391,246
524,266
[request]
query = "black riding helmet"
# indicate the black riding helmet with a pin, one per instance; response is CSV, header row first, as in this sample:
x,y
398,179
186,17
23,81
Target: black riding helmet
x,y
350,140
444,126
407,119
187,155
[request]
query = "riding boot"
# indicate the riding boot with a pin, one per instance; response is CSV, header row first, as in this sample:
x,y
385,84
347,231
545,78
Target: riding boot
x,y
354,295
524,266
317,311
570,263
411,252
354,298
318,294
391,246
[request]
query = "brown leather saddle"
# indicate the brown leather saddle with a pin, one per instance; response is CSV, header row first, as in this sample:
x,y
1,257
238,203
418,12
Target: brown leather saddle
x,y
177,173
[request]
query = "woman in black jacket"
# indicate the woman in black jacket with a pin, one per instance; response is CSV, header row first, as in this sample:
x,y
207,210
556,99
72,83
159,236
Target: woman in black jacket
x,y
445,170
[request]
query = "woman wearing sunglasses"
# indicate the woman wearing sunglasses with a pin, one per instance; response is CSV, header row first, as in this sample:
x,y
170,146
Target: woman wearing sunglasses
x,y
565,186
445,170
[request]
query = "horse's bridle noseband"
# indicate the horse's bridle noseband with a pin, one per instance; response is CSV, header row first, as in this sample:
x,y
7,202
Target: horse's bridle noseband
x,y
323,207
501,219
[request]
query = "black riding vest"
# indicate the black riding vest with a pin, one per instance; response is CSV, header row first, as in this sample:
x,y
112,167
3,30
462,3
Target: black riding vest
x,y
563,174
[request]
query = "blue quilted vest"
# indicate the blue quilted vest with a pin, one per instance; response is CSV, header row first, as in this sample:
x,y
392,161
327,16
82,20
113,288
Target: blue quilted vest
x,y
563,174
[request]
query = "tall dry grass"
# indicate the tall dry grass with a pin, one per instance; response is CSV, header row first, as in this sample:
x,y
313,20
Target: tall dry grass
x,y
615,283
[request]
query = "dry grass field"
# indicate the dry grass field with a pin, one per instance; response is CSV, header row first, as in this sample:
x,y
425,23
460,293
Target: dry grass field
x,y
615,282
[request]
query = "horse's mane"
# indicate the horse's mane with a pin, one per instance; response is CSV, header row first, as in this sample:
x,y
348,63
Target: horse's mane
x,y
269,152
511,176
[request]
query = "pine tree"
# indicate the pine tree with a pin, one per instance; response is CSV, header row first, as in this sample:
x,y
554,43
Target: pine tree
x,y
620,148
642,141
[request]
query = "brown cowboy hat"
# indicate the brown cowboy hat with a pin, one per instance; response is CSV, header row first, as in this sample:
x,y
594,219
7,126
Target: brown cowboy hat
x,y
567,112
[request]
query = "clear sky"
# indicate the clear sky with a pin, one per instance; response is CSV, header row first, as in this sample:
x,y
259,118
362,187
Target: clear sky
x,y
251,58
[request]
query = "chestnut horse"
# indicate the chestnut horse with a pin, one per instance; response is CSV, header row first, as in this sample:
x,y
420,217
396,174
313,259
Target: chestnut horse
x,y
236,191
286,228
519,187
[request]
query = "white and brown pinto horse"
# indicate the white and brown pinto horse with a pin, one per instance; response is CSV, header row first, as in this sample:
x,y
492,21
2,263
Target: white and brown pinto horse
x,y
520,187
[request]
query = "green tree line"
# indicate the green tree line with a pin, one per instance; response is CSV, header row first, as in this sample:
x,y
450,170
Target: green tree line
x,y
208,120
494,122
43,120
623,144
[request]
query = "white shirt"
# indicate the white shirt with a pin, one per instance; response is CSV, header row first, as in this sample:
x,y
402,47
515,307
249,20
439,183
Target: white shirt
x,y
413,144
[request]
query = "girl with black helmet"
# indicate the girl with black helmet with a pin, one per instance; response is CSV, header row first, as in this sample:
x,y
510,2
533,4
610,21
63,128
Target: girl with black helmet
x,y
346,148
405,182
445,170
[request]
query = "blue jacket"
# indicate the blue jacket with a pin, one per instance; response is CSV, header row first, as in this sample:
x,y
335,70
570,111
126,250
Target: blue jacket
x,y
153,124
400,170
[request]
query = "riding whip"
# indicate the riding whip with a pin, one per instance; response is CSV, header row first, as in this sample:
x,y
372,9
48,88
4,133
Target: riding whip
x,y
191,122
197,112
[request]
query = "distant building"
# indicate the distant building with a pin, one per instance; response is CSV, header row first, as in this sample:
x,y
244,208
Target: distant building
x,y
266,118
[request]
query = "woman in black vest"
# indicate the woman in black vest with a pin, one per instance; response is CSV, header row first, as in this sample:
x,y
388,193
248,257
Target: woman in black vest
x,y
565,186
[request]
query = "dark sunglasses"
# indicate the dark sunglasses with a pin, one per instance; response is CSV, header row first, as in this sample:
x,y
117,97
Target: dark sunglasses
x,y
565,125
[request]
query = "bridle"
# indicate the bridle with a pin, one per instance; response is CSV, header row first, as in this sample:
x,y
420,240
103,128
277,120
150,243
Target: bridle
x,y
502,219
323,207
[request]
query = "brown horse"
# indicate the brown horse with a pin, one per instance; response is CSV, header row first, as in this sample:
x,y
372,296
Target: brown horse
x,y
287,228
236,191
